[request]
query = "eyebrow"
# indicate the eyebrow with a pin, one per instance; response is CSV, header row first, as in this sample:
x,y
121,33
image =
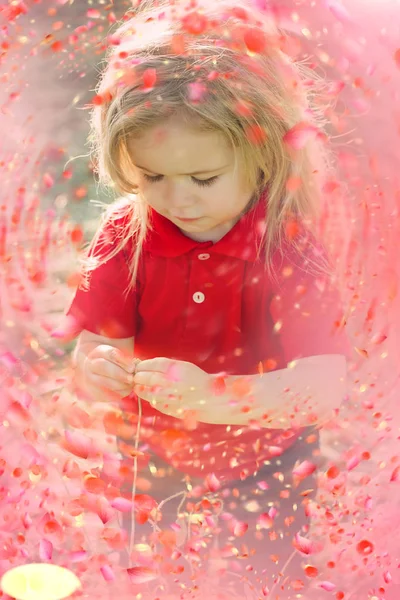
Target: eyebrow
x,y
203,172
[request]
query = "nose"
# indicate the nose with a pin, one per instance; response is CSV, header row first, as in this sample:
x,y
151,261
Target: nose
x,y
179,198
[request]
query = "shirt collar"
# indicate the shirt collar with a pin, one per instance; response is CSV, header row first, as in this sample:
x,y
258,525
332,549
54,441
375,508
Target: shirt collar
x,y
243,241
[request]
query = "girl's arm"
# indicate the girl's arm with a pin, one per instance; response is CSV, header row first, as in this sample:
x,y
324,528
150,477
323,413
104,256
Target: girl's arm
x,y
305,393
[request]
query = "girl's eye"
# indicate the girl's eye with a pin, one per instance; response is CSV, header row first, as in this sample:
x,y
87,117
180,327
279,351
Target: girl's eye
x,y
153,179
205,182
199,182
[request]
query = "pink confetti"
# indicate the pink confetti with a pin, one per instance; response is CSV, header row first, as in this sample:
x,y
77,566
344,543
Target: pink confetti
x,y
93,13
335,88
263,485
78,556
339,11
387,578
107,573
328,586
122,504
353,462
45,550
197,92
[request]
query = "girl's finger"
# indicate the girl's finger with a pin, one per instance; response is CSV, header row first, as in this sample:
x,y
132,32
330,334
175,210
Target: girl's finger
x,y
123,360
151,379
112,385
107,369
161,365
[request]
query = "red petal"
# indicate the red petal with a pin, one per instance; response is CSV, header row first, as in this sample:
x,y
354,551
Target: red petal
x,y
255,40
265,521
304,469
240,528
78,444
212,483
299,135
395,474
149,78
302,544
139,575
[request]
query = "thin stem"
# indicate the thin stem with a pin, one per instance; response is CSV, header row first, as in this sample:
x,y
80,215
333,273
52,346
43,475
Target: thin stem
x,y
285,566
135,469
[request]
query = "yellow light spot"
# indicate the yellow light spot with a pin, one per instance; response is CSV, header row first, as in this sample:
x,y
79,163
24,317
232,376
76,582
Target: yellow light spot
x,y
252,506
307,33
39,582
287,271
34,344
143,549
79,521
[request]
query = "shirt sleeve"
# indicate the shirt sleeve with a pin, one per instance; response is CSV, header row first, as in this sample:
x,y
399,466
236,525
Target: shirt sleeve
x,y
306,308
106,308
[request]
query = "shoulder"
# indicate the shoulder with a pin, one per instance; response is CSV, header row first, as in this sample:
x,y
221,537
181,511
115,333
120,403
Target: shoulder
x,y
117,217
305,256
118,227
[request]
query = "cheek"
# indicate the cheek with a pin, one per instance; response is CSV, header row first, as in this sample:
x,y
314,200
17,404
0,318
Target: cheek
x,y
152,196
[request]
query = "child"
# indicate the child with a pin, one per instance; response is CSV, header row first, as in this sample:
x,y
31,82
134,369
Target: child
x,y
206,304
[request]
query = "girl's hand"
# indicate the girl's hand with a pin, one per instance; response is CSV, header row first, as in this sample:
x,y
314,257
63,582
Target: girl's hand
x,y
110,369
174,387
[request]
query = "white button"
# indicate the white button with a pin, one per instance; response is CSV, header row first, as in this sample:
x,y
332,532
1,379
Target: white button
x,y
204,256
199,297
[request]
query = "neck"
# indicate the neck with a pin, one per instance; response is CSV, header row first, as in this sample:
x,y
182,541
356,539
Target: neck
x,y
216,234
213,235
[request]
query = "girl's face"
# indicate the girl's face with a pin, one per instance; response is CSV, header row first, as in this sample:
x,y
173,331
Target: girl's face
x,y
190,177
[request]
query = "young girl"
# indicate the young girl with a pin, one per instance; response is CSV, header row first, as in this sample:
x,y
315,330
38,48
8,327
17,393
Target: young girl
x,y
206,304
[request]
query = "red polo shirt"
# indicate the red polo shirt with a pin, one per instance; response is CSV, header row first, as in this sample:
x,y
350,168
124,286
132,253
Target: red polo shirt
x,y
216,306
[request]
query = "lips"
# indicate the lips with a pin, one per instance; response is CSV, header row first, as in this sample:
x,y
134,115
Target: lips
x,y
186,220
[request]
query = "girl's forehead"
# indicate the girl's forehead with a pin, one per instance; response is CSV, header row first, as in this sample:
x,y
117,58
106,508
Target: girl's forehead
x,y
169,130
172,136
166,149
159,134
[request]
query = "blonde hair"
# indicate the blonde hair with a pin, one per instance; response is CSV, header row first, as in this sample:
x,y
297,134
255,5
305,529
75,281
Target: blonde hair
x,y
253,93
